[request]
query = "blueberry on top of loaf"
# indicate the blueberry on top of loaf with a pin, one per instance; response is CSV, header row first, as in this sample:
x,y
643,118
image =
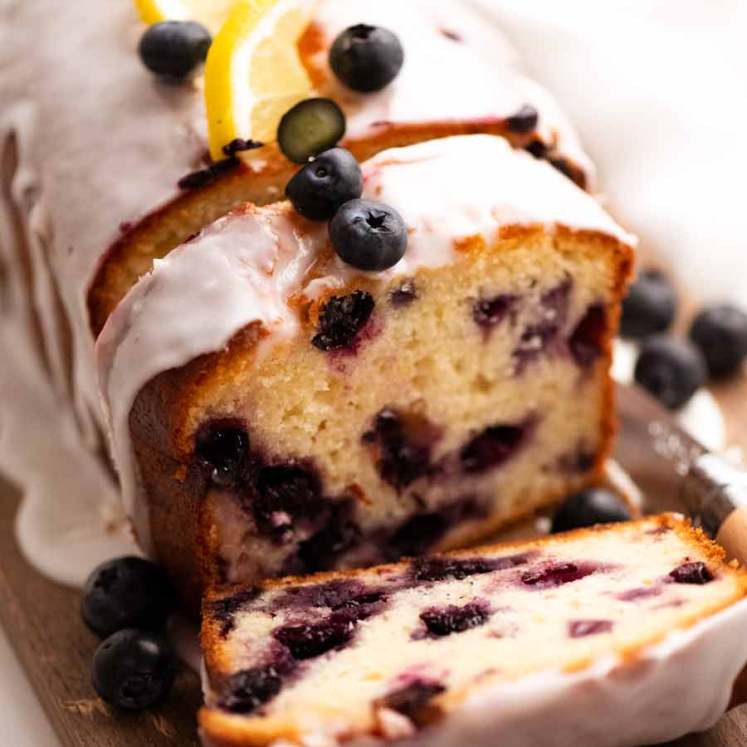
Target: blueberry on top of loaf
x,y
501,643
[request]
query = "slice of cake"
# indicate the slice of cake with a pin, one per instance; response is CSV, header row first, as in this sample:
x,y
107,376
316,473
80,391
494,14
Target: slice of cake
x,y
460,76
323,417
618,636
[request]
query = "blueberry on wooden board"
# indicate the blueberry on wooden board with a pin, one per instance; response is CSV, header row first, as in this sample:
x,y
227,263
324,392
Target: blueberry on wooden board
x,y
133,669
589,507
127,592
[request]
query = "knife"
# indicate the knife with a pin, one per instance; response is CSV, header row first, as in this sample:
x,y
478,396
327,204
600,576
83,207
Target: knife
x,y
676,472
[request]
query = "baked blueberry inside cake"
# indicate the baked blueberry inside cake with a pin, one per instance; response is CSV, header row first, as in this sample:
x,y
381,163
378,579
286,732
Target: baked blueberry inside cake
x,y
487,639
319,416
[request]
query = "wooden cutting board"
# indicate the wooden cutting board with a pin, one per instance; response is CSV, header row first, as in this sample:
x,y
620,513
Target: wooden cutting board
x,y
42,621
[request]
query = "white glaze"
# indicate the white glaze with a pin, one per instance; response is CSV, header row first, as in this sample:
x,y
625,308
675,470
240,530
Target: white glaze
x,y
680,686
100,143
244,267
476,77
97,143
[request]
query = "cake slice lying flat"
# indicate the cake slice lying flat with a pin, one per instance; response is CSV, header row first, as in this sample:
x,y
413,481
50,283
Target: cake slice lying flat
x,y
321,417
612,637
460,76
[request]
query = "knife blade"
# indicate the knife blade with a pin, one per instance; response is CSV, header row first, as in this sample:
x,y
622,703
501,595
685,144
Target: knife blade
x,y
676,471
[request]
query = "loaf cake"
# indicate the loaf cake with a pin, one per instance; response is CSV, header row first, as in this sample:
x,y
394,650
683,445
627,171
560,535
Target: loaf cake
x,y
323,417
617,636
80,165
458,77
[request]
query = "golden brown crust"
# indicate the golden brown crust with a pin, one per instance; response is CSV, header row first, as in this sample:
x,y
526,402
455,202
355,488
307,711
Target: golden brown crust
x,y
227,730
170,408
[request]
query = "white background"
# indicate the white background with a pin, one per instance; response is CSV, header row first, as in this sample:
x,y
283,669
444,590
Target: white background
x,y
658,91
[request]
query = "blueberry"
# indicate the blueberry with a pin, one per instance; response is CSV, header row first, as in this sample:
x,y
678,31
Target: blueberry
x,y
174,48
340,532
491,448
285,494
309,640
418,534
368,235
695,573
414,700
404,294
721,334
649,307
342,318
309,128
366,58
249,689
589,507
443,621
558,574
224,448
671,370
126,592
402,454
443,567
586,342
133,669
525,120
322,186
490,311
583,628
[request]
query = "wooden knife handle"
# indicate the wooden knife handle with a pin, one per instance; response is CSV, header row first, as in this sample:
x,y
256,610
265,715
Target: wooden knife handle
x,y
732,535
715,491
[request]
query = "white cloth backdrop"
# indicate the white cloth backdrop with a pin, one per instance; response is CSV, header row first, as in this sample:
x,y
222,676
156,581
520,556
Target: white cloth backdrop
x,y
658,90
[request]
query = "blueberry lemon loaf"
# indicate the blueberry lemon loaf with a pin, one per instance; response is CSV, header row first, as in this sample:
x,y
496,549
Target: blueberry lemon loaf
x,y
81,165
458,76
639,624
321,416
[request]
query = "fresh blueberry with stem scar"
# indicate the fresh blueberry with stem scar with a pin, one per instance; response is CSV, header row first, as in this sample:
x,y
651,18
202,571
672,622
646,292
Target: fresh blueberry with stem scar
x,y
309,128
128,592
133,669
174,49
366,58
319,189
589,507
671,370
721,334
368,235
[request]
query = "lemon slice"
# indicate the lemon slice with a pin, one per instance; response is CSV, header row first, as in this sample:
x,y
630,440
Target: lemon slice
x,y
253,73
210,13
